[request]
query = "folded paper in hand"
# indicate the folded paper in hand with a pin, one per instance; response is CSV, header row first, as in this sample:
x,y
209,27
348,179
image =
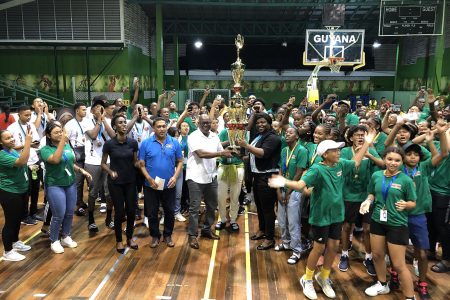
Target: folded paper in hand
x,y
160,182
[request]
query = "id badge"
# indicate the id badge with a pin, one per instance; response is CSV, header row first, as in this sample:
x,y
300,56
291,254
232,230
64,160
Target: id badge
x,y
68,172
383,215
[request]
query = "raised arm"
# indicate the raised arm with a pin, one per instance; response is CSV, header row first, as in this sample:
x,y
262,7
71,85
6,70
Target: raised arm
x,y
289,106
385,122
55,158
329,100
360,153
391,137
135,95
25,154
205,95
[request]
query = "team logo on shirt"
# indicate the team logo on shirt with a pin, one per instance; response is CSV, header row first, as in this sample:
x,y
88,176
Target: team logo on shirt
x,y
339,173
169,146
397,186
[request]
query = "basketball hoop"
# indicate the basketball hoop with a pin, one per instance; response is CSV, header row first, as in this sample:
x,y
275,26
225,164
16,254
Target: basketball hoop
x,y
334,63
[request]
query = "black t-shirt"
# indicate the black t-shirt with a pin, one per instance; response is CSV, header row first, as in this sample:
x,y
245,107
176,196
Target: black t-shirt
x,y
271,143
121,159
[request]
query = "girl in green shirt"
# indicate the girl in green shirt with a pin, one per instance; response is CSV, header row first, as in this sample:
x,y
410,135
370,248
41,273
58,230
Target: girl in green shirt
x,y
13,192
60,185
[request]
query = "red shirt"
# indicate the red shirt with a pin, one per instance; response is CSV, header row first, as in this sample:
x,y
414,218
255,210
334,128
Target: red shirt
x,y
5,123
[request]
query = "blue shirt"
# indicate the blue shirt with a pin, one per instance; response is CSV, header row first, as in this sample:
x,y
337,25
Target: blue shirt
x,y
160,160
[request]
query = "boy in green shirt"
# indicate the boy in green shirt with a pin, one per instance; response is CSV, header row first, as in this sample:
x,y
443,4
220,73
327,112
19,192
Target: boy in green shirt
x,y
327,208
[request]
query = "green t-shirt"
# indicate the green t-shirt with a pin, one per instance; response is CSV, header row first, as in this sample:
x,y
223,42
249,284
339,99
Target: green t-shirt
x,y
174,115
223,136
327,203
56,174
378,143
313,158
12,179
351,119
424,114
420,177
402,189
283,139
295,159
192,126
440,178
355,187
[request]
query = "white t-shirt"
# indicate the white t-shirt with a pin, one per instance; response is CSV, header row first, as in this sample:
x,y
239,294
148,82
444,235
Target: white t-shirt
x,y
140,131
19,132
93,148
202,170
44,122
75,130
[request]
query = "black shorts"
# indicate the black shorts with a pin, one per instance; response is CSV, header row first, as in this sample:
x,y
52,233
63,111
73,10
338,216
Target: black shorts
x,y
352,213
397,235
321,234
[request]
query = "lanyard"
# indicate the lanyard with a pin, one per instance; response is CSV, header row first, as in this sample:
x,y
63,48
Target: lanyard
x,y
15,154
313,158
413,173
256,140
385,188
288,157
82,131
43,120
100,132
376,138
137,128
21,129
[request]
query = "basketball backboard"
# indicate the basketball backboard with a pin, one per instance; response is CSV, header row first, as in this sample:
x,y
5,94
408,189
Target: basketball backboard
x,y
321,44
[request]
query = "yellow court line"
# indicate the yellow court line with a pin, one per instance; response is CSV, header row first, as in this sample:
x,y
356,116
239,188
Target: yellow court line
x,y
212,262
248,270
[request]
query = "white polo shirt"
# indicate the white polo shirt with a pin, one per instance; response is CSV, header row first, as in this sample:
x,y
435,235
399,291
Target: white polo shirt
x,y
202,170
75,130
93,148
19,132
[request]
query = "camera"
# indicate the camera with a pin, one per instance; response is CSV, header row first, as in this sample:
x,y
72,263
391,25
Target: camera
x,y
396,108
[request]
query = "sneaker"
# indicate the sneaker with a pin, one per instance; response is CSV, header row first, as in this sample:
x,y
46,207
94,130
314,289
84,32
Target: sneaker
x,y
103,208
80,212
109,224
93,227
234,227
295,257
394,284
38,217
306,245
68,242
161,222
343,263
377,289
56,247
241,210
282,247
325,284
179,217
20,246
146,222
368,263
12,256
422,288
308,288
220,225
141,196
29,221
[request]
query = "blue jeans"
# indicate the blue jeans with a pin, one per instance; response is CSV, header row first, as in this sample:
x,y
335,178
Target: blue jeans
x,y
62,200
289,221
178,193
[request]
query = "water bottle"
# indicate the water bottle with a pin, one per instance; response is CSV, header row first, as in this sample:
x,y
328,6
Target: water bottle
x,y
34,175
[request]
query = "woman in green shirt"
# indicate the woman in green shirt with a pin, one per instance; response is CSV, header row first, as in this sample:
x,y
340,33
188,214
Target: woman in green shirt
x,y
60,185
13,192
392,194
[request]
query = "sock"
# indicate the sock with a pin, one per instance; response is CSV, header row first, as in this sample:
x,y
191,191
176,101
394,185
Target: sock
x,y
369,256
325,273
351,237
108,214
309,274
345,253
91,217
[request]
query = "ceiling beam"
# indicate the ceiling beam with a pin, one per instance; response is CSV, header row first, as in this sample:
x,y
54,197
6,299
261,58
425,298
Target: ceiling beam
x,y
13,3
257,3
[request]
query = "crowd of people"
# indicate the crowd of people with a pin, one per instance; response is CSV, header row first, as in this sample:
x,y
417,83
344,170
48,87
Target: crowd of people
x,y
321,172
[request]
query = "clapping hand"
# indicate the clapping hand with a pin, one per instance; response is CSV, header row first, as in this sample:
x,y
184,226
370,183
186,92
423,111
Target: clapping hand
x,y
277,181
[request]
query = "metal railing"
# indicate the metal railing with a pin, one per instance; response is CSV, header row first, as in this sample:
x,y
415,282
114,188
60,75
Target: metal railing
x,y
32,92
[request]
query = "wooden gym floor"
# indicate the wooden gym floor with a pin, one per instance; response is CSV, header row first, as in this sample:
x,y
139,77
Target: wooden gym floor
x,y
231,268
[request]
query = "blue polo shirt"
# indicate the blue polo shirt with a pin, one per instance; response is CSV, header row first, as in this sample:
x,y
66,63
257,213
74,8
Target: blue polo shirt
x,y
160,160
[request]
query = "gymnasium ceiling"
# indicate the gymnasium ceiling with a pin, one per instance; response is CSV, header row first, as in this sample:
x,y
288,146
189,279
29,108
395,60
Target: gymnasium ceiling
x,y
262,21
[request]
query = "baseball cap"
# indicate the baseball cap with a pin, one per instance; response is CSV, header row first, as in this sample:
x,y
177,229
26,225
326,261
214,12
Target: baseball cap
x,y
346,102
326,145
410,146
98,102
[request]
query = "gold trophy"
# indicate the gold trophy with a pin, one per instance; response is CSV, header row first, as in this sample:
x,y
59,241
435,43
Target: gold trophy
x,y
236,109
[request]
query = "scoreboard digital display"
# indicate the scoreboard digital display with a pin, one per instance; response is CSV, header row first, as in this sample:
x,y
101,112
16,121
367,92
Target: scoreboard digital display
x,y
419,18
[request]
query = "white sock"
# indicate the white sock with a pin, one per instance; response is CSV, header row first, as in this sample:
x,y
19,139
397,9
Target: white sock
x,y
369,256
345,253
351,237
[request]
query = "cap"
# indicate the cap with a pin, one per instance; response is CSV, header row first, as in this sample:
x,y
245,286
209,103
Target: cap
x,y
346,102
413,130
411,146
98,102
252,97
326,145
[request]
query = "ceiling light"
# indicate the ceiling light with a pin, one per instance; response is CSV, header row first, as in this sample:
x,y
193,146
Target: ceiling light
x,y
376,44
198,44
284,44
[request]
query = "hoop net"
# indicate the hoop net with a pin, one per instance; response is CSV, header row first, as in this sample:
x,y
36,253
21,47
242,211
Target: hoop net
x,y
334,63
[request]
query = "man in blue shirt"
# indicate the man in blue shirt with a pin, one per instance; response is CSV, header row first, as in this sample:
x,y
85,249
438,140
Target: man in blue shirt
x,y
160,161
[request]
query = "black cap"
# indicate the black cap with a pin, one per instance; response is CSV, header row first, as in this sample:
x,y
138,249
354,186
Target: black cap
x,y
410,146
413,130
98,102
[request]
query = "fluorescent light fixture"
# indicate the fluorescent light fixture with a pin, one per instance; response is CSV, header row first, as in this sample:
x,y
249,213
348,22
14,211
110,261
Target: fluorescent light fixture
x,y
198,44
284,44
376,44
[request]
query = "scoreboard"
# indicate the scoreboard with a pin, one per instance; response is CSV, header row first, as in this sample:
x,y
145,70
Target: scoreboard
x,y
412,18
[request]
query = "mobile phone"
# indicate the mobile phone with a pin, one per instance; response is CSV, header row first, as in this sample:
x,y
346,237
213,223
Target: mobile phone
x,y
139,111
396,108
102,110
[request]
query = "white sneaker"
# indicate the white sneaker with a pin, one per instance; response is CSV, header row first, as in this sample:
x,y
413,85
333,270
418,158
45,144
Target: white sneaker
x,y
308,288
377,289
161,222
325,284
68,242
146,222
56,247
141,196
179,217
103,208
20,246
12,256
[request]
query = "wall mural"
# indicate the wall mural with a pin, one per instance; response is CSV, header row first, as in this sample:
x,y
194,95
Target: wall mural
x,y
414,83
